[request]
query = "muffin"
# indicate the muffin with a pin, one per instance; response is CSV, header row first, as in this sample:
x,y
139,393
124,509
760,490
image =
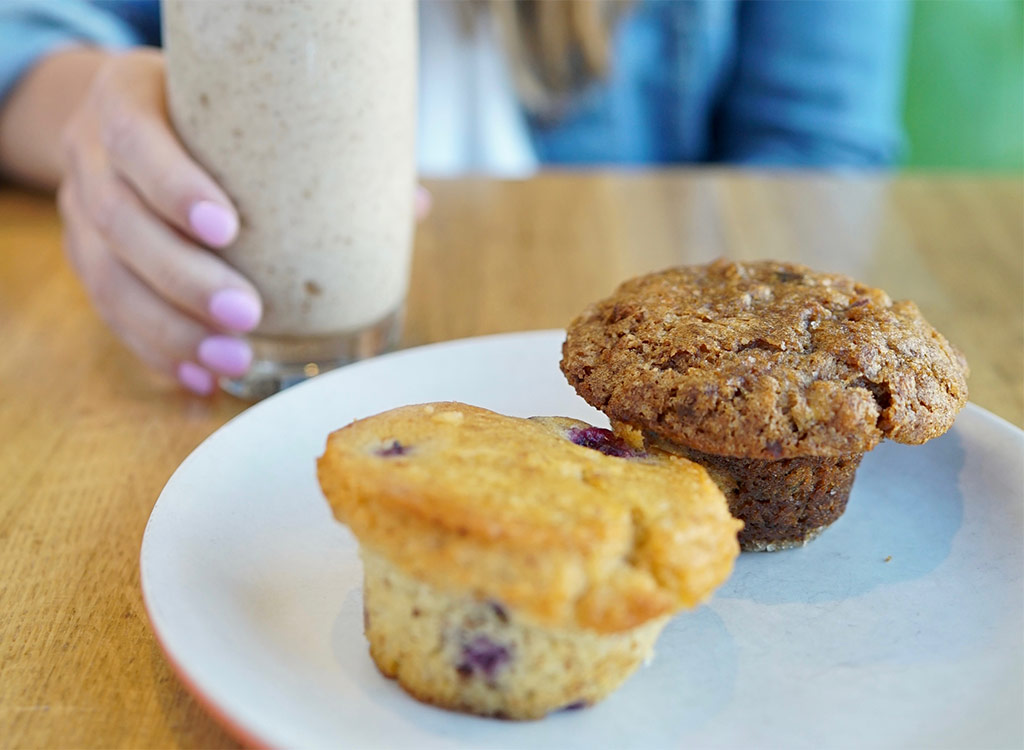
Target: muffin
x,y
513,567
774,377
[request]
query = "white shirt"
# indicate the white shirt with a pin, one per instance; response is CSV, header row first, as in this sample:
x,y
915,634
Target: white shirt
x,y
469,119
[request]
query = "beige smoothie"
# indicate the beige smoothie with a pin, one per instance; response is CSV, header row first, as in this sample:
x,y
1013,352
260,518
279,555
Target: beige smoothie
x,y
304,111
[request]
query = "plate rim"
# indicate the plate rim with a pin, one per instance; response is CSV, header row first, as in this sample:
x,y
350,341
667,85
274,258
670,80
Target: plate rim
x,y
223,715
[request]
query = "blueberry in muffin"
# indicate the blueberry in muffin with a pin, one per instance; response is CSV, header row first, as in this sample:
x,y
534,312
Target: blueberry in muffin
x,y
512,566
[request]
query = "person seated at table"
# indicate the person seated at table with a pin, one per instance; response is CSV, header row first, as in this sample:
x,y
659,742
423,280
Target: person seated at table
x,y
506,88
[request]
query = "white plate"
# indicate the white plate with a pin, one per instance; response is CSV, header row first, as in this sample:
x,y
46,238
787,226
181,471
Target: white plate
x,y
900,626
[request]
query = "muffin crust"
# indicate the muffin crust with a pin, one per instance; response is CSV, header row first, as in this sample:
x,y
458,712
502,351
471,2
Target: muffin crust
x,y
764,360
509,509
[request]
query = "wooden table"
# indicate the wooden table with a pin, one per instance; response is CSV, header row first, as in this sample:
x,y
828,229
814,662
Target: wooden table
x,y
90,437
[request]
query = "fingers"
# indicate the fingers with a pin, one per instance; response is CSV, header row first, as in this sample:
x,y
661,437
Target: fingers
x,y
160,334
144,150
132,200
190,278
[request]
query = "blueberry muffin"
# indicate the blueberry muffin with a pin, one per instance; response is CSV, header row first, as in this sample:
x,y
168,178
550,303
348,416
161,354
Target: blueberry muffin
x,y
514,566
774,377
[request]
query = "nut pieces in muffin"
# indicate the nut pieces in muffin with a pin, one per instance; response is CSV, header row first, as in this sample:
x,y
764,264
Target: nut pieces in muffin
x,y
764,362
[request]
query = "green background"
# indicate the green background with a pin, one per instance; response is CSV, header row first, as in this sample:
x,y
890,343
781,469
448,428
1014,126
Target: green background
x,y
965,85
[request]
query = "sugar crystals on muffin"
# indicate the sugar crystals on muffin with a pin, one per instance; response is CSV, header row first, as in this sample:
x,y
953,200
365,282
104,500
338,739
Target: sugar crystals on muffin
x,y
774,377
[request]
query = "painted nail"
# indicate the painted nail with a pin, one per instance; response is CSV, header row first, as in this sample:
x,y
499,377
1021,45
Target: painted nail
x,y
422,202
195,378
235,309
226,355
212,223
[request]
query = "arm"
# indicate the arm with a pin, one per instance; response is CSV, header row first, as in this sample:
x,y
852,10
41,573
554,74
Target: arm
x,y
816,83
45,70
34,115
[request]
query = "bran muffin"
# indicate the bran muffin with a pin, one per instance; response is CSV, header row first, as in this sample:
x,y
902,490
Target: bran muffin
x,y
774,377
517,566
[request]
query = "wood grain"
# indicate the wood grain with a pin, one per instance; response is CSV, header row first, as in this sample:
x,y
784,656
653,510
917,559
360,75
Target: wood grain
x,y
90,437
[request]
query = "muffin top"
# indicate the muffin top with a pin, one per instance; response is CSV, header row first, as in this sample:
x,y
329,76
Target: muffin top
x,y
764,360
557,519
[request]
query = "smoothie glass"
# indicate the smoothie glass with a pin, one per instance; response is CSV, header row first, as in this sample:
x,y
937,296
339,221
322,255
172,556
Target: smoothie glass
x,y
304,111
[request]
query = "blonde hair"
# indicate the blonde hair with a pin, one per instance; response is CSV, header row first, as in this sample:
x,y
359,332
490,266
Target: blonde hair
x,y
555,48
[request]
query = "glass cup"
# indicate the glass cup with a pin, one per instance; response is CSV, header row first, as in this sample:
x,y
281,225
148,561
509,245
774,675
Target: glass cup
x,y
304,112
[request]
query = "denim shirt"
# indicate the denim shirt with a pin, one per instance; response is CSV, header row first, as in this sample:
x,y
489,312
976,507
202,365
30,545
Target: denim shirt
x,y
797,83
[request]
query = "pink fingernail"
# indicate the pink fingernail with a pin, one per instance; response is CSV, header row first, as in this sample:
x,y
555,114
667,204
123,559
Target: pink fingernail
x,y
422,202
212,223
236,309
228,356
195,378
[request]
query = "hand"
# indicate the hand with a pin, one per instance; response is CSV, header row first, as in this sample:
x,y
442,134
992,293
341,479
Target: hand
x,y
139,218
139,215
